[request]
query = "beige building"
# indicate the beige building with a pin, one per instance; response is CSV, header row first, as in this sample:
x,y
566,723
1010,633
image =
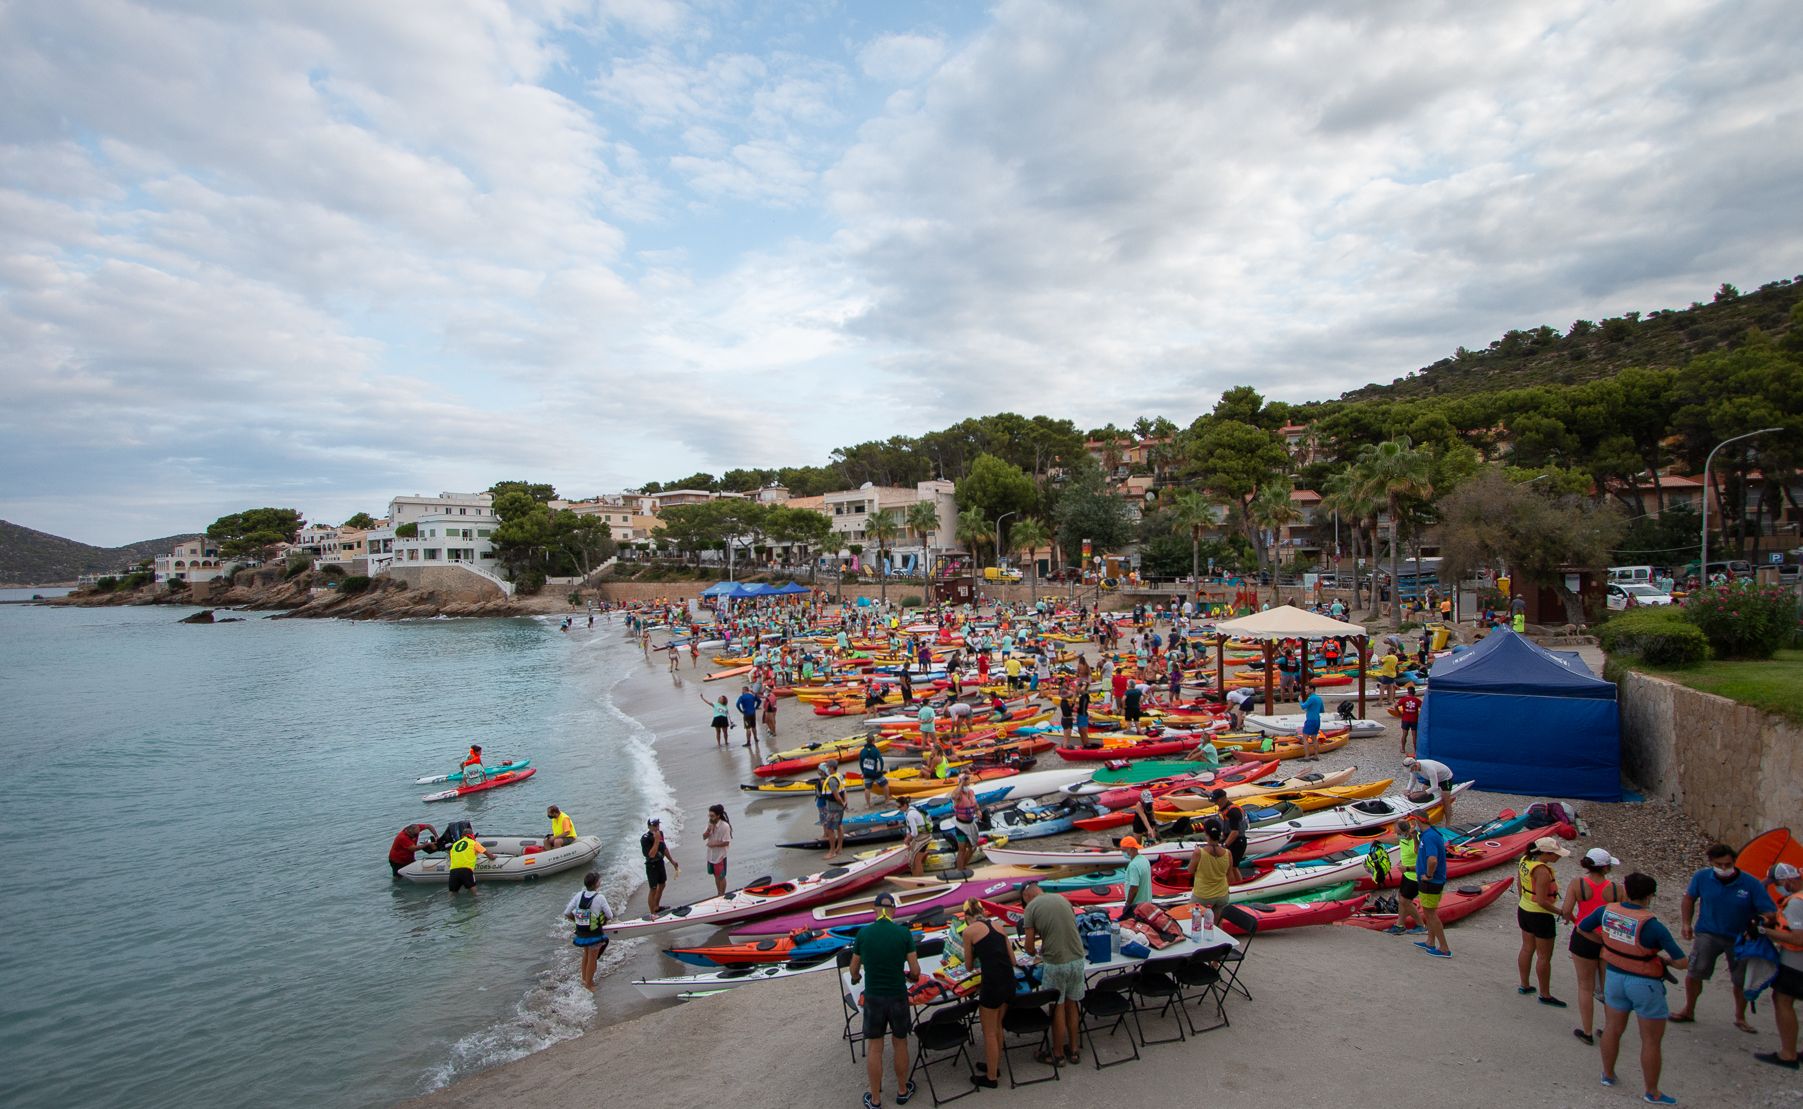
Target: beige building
x,y
192,560
851,511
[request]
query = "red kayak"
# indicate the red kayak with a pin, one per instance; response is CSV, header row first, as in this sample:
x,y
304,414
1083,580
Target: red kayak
x,y
1143,750
1457,904
496,782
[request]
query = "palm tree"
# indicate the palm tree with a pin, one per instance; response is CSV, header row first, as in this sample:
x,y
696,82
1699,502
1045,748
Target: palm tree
x,y
973,531
1027,536
1272,508
1193,511
1396,469
922,519
883,527
1345,495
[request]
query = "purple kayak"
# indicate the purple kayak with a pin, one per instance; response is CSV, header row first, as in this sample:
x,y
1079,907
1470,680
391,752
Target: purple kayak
x,y
909,903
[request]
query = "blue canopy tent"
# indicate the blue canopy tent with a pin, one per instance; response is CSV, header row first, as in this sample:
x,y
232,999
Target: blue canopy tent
x,y
1518,718
724,589
792,589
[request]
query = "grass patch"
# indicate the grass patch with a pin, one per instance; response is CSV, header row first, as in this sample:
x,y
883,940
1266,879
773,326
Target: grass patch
x,y
1774,684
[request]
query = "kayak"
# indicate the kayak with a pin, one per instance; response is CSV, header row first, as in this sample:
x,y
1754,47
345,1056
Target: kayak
x,y
1198,800
1455,904
765,896
1291,724
1289,750
892,818
512,777
800,946
510,859
488,772
1285,878
659,989
1096,857
1031,820
1142,750
731,672
788,768
1370,813
1305,800
910,903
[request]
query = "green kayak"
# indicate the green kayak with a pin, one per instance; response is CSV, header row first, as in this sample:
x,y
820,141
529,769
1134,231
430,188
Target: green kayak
x,y
1147,770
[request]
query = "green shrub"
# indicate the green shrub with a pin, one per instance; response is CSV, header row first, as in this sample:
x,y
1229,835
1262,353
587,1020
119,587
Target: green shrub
x,y
135,580
106,584
176,585
298,563
1660,636
528,582
912,600
354,583
332,570
407,531
1743,619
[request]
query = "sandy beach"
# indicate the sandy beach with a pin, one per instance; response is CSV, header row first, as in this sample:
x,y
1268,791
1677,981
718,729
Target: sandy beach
x,y
1340,1013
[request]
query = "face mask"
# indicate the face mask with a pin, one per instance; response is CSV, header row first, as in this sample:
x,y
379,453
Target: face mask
x,y
1724,872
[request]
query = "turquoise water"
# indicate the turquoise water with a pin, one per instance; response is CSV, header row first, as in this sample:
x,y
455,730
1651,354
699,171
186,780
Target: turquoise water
x,y
197,908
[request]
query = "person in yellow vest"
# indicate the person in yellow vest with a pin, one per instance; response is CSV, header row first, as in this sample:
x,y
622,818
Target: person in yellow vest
x,y
1519,623
1637,948
1537,913
462,855
1786,932
563,829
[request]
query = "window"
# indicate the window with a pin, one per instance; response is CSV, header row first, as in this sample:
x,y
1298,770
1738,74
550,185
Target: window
x,y
431,554
463,512
412,554
482,533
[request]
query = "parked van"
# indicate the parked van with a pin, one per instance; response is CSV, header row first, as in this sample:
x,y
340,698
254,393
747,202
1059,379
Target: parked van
x,y
1630,575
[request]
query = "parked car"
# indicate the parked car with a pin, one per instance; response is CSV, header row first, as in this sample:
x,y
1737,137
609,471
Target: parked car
x,y
1623,597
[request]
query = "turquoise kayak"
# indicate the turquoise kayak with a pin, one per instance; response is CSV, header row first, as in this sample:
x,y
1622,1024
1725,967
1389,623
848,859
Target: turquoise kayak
x,y
487,772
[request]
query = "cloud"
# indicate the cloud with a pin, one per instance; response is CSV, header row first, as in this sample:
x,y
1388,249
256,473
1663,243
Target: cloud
x,y
901,57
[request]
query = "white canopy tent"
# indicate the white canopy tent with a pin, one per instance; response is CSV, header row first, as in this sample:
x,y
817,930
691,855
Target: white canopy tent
x,y
1288,622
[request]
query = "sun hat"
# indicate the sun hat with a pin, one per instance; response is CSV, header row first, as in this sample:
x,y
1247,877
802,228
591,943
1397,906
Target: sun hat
x,y
1131,843
1599,857
1549,846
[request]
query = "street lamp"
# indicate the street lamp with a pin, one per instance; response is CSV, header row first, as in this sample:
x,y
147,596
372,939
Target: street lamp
x,y
998,535
1703,551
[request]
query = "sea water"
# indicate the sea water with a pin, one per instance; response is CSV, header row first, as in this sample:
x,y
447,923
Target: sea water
x,y
197,908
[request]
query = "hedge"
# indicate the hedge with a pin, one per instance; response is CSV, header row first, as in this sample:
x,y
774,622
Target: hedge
x,y
1660,636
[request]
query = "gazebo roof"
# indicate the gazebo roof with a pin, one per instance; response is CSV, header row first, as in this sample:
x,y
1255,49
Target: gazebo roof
x,y
1287,622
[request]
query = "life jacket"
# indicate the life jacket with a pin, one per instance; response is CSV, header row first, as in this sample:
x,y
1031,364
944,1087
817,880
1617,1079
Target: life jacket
x,y
463,854
588,917
1622,947
563,826
1377,864
1524,880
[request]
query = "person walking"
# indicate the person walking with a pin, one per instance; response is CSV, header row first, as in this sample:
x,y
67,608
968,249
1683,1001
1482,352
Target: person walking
x,y
1409,921
832,811
657,855
987,952
1408,709
589,911
1430,880
1637,948
884,950
1587,893
1537,915
717,837
1050,931
1786,933
721,720
1312,707
1723,899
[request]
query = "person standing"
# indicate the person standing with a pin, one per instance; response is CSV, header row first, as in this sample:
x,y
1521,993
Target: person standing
x,y
1637,948
1724,900
563,829
748,714
1537,915
722,720
767,707
460,872
1209,865
1049,929
1408,708
872,770
1386,676
589,911
885,950
1138,881
1408,911
967,813
919,835
1131,704
1587,893
1786,933
1430,878
987,952
657,857
1234,826
832,812
718,838
1312,707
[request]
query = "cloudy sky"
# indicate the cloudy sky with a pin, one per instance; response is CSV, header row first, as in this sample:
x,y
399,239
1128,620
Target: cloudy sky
x,y
318,253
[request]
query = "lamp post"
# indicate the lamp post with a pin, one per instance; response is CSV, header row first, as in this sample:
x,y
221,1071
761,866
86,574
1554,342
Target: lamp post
x,y
1703,545
998,535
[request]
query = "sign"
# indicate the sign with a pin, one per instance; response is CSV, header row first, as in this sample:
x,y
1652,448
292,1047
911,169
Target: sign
x,y
1776,558
1086,550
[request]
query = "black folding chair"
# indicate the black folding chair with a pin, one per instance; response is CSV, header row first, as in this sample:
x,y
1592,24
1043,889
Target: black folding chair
x,y
1028,1024
944,1038
1200,980
854,1016
1105,1008
1155,990
1246,923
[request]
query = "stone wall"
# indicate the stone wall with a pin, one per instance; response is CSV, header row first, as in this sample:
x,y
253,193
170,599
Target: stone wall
x,y
450,583
1735,770
1018,593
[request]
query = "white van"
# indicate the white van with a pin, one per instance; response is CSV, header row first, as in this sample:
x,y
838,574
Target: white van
x,y
1630,575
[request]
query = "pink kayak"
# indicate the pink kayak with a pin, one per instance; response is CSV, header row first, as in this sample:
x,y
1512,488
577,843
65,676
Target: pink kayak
x,y
909,904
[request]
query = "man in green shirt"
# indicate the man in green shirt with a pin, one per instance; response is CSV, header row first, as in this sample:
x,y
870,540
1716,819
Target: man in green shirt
x,y
884,948
1139,876
1051,933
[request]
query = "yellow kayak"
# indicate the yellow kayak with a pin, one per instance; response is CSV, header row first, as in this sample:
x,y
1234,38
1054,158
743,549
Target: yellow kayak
x,y
1308,800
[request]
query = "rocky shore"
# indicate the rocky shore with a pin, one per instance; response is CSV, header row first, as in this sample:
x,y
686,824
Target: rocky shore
x,y
309,595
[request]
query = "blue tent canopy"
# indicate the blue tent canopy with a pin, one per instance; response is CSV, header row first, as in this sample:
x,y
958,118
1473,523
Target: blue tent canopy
x,y
758,589
1518,718
724,589
792,588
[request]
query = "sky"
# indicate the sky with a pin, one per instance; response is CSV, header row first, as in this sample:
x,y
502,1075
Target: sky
x,y
319,254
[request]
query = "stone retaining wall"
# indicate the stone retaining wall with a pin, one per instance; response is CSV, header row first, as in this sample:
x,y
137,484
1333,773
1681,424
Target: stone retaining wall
x,y
1735,770
451,583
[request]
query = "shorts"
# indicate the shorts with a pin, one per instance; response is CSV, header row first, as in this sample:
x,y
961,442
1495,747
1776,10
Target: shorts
x,y
721,723
599,939
994,995
1584,948
1386,681
1542,926
717,869
831,817
891,1015
462,878
1630,993
655,873
1408,890
751,721
968,831
926,728
1409,725
1431,892
1083,720
1133,715
1789,982
1067,978
1706,949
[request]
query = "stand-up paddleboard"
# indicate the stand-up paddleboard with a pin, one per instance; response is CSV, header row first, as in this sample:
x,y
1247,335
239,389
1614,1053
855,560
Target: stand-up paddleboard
x,y
508,779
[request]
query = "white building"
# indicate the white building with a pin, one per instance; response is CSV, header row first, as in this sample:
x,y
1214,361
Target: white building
x,y
455,534
192,560
407,510
318,540
852,510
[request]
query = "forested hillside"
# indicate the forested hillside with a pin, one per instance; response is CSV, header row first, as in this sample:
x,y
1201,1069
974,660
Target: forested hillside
x,y
29,557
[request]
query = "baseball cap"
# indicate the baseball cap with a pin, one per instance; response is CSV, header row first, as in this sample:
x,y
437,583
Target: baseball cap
x,y
1131,843
1785,870
1549,845
1146,796
1599,857
653,820
885,900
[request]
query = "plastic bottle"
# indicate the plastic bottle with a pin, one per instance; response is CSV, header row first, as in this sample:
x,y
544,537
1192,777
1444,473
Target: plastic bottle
x,y
1114,939
1208,918
1196,926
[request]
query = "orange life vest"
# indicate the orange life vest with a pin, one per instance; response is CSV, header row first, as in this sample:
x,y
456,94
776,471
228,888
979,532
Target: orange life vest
x,y
1621,929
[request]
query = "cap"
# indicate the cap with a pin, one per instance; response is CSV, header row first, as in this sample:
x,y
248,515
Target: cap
x,y
1146,796
653,820
1599,857
885,900
1217,795
1131,843
1411,761
1785,870
1550,846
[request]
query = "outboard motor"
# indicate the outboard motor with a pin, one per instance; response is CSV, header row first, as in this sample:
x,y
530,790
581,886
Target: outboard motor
x,y
455,831
1348,711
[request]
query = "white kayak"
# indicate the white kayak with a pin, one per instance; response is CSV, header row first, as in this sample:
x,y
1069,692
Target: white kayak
x,y
1291,724
508,861
1043,783
691,986
1358,816
766,896
1261,841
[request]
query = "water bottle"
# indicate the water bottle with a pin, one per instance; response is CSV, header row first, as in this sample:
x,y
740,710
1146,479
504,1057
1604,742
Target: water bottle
x,y
1114,939
1196,925
1208,918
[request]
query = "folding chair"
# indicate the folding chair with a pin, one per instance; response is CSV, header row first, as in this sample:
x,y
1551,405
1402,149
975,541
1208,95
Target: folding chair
x,y
1156,991
1107,1000
1246,924
943,1038
854,1016
1199,979
1028,1022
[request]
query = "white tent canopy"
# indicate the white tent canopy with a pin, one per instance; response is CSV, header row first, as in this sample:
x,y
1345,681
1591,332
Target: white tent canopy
x,y
1287,622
